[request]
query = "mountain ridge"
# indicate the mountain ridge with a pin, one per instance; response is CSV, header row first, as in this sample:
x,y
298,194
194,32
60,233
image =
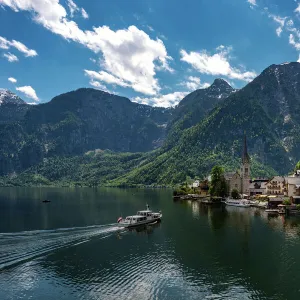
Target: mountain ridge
x,y
204,129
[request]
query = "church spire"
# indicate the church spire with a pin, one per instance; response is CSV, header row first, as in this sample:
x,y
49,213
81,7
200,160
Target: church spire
x,y
245,156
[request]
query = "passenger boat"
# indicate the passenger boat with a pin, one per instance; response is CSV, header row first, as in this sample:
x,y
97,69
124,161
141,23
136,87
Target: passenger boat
x,y
237,202
142,217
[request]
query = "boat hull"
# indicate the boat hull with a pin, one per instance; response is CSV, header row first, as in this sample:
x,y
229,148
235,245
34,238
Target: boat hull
x,y
237,204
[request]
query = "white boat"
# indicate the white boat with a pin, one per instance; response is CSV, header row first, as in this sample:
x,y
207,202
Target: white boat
x,y
237,202
272,211
142,217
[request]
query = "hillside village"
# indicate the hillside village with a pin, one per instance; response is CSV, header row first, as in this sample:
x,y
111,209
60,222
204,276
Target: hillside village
x,y
276,189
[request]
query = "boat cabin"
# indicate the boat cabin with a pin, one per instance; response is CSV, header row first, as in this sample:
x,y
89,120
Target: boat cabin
x,y
146,213
135,219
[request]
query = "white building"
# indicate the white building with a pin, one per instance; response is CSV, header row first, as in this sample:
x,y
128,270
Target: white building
x,y
293,187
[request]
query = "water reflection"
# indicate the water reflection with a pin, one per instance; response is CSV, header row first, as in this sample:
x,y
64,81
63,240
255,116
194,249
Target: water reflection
x,y
196,252
220,216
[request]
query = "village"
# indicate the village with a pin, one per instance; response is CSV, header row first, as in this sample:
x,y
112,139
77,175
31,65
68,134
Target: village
x,y
279,194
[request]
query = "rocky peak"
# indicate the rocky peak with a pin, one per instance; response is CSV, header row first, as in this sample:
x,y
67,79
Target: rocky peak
x,y
220,86
8,98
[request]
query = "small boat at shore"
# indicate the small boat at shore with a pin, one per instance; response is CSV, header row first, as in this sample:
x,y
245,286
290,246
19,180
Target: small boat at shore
x,y
142,217
238,203
272,211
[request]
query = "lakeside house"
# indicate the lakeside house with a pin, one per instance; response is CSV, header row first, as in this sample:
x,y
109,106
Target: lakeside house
x,y
293,187
276,186
258,187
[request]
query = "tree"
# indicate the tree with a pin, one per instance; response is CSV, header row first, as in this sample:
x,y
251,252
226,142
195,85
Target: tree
x,y
235,194
219,186
297,166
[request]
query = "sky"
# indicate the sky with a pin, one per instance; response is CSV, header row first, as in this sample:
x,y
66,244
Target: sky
x,y
153,52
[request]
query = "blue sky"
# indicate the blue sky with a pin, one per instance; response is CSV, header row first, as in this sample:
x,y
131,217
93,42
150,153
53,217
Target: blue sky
x,y
153,52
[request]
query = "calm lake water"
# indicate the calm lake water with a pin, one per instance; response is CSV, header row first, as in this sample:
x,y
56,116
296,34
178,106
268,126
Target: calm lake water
x,y
71,249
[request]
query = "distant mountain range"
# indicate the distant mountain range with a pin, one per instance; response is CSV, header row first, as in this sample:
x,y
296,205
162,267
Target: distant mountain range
x,y
205,128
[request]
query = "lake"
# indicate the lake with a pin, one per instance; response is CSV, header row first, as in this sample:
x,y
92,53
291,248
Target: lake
x,y
71,248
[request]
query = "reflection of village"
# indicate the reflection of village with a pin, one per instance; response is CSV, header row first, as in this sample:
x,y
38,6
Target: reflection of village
x,y
220,216
279,194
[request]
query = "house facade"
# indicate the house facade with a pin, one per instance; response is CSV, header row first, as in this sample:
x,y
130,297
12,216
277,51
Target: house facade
x,y
258,187
276,186
293,187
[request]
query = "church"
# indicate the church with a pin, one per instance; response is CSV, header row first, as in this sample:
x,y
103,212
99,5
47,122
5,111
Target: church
x,y
240,180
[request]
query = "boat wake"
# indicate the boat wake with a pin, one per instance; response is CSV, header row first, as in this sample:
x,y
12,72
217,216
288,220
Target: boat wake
x,y
18,247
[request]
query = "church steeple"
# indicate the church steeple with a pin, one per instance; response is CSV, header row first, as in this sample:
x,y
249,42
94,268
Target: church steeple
x,y
245,156
245,169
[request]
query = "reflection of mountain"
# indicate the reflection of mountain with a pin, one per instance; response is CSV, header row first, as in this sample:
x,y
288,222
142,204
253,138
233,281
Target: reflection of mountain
x,y
244,248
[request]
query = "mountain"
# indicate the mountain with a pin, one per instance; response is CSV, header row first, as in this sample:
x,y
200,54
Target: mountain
x,y
267,109
58,141
195,106
12,108
76,122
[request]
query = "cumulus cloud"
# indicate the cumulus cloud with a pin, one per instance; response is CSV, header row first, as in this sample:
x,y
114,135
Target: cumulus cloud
x,y
297,10
216,64
28,91
298,59
128,54
194,83
11,79
167,100
6,44
10,57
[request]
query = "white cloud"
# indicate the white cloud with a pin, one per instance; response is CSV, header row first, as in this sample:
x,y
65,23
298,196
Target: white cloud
x,y
279,31
6,44
10,57
98,85
297,10
194,83
84,13
28,91
280,21
74,9
298,59
11,79
128,54
167,100
216,64
22,48
150,28
252,2
293,42
106,77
